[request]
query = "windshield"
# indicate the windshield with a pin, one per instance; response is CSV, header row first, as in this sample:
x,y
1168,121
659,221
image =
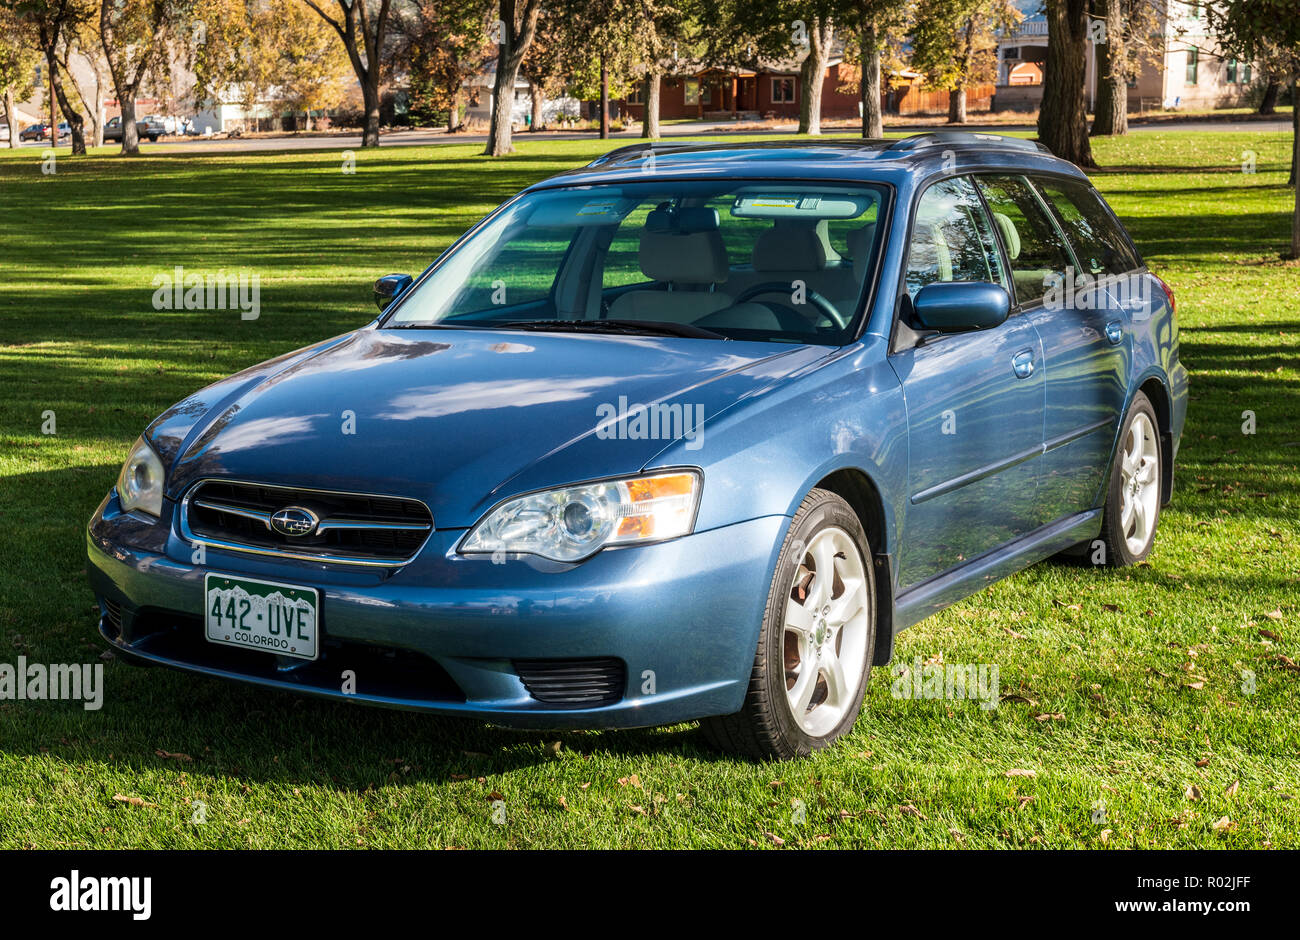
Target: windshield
x,y
771,261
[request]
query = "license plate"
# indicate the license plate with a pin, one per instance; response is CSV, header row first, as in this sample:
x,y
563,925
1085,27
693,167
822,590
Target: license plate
x,y
261,615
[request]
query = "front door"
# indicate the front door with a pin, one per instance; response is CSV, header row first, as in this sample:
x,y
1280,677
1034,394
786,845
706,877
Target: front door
x,y
974,402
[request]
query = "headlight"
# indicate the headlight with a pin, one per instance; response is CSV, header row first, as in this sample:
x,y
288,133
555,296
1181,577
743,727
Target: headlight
x,y
140,484
575,522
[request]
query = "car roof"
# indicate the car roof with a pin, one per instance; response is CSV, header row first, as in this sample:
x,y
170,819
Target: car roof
x,y
866,159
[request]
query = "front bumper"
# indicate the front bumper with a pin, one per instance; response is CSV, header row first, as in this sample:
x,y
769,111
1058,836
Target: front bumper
x,y
446,634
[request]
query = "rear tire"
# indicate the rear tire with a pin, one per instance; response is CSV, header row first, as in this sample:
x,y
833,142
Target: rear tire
x,y
1136,489
817,640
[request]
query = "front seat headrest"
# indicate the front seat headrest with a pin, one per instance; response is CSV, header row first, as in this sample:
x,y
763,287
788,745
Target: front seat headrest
x,y
790,246
683,258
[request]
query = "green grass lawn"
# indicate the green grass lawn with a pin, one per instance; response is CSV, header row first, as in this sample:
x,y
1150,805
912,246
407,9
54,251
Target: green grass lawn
x,y
1127,688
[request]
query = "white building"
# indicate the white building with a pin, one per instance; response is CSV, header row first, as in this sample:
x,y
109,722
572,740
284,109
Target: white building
x,y
1188,70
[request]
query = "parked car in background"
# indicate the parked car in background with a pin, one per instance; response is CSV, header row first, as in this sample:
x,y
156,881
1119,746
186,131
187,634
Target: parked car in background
x,y
35,132
144,130
4,131
689,433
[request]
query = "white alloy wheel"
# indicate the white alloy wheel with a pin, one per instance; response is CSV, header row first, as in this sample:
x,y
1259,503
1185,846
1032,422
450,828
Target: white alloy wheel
x,y
1139,484
826,632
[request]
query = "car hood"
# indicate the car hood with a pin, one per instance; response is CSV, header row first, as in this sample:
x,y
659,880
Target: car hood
x,y
457,418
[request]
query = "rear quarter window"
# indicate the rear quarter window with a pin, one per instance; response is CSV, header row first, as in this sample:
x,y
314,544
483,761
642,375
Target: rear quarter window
x,y
1099,242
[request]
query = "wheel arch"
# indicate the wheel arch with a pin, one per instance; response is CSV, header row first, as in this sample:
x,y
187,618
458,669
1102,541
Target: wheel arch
x,y
859,490
1156,389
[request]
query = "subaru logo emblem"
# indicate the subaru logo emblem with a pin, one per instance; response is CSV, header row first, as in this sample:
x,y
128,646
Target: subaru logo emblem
x,y
294,521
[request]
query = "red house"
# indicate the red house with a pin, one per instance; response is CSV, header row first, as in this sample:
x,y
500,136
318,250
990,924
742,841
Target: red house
x,y
770,90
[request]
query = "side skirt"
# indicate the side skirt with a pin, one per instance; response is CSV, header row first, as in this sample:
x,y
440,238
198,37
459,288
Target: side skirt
x,y
931,596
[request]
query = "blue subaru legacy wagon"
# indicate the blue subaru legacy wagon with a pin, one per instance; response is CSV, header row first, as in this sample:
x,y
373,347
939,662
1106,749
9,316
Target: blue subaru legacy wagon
x,y
688,433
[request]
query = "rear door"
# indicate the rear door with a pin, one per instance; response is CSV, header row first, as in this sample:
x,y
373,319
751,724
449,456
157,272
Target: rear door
x,y
974,401
1088,340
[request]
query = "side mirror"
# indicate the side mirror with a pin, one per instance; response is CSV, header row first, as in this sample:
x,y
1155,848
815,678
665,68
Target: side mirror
x,y
961,306
389,287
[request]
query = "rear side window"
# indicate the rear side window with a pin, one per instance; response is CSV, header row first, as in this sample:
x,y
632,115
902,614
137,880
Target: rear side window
x,y
1099,242
1035,251
951,238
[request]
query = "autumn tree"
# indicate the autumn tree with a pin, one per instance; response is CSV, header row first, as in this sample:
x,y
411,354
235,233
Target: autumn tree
x,y
954,45
134,34
443,43
514,31
18,58
49,22
872,28
312,67
363,25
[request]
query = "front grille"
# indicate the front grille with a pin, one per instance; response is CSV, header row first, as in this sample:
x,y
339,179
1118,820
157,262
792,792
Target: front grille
x,y
575,683
353,527
113,614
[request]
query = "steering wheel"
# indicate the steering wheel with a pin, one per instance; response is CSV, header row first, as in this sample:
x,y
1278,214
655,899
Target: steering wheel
x,y
781,287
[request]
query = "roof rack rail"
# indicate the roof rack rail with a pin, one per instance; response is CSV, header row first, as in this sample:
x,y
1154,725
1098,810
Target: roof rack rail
x,y
930,139
629,150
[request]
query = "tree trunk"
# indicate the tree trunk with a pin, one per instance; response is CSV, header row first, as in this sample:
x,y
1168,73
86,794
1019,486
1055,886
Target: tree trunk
x,y
99,108
1062,118
957,105
1295,138
604,98
10,118
370,98
1268,105
130,136
1111,117
453,113
812,75
873,124
539,101
650,126
71,114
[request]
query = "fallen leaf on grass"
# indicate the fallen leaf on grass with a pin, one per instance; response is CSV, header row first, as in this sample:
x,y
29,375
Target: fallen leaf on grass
x,y
1274,615
184,758
1105,835
1050,716
132,800
1193,792
1223,824
1016,772
1232,788
956,835
774,839
1196,685
1269,634
632,781
1202,762
907,809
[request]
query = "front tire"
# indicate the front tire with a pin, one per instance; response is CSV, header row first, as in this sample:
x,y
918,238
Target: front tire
x,y
817,641
1133,498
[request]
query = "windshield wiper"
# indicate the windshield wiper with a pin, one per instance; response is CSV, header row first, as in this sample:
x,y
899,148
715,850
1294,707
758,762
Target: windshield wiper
x,y
626,327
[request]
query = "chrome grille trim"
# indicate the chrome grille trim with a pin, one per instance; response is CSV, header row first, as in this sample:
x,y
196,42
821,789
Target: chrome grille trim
x,y
327,525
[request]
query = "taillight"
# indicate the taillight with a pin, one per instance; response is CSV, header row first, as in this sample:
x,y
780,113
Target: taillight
x,y
1169,293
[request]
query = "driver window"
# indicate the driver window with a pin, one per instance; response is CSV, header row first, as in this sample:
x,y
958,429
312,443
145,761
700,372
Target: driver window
x,y
952,239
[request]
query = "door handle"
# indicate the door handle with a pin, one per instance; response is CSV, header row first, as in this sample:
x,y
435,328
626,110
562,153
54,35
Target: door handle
x,y
1114,332
1022,363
